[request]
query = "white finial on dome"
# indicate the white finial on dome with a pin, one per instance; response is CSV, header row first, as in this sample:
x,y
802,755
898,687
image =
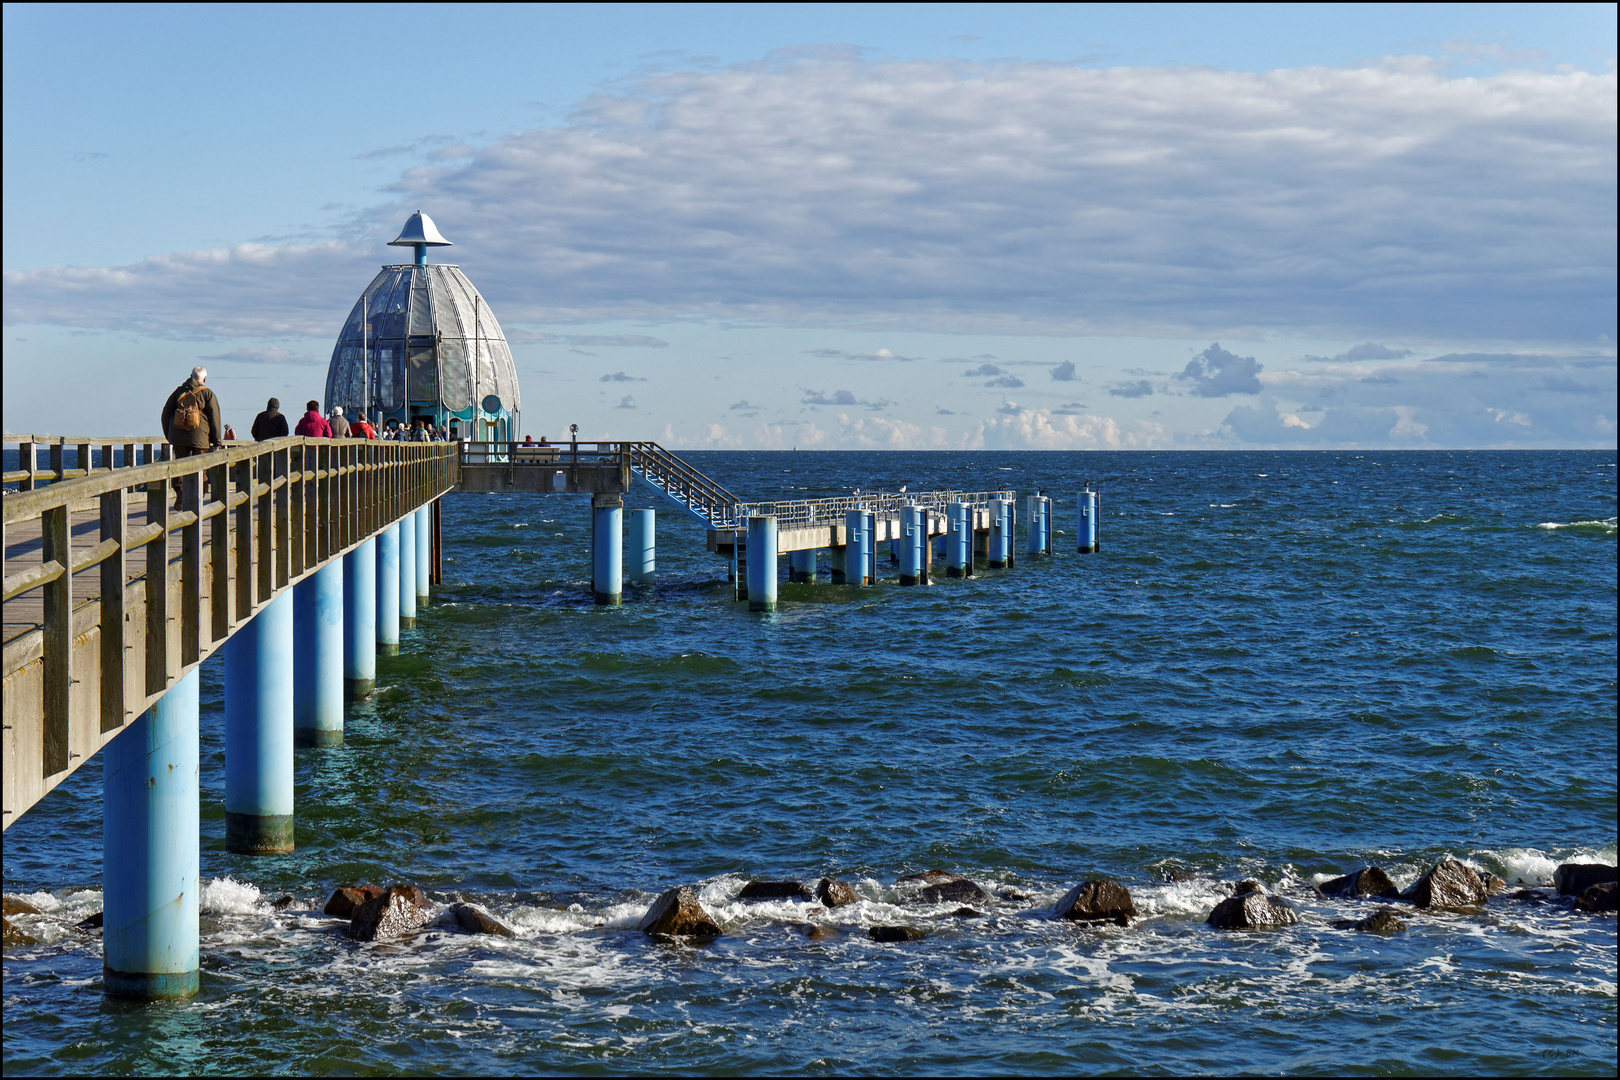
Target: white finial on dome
x,y
419,229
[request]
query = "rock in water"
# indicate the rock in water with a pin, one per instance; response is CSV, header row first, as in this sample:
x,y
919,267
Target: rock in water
x,y
283,903
1252,909
936,874
677,913
396,910
774,890
1573,878
1368,881
345,900
1450,884
1097,901
15,936
93,922
1492,883
895,933
476,919
953,891
835,893
17,906
1382,921
1599,897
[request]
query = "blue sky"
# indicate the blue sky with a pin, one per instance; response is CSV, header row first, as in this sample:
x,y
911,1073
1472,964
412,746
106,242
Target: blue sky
x,y
910,226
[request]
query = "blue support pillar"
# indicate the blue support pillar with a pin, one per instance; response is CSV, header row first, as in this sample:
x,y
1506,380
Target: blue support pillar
x,y
1046,525
150,866
1035,531
802,565
762,563
407,571
1087,542
959,541
388,590
607,548
259,732
424,552
912,539
318,654
360,620
857,547
642,555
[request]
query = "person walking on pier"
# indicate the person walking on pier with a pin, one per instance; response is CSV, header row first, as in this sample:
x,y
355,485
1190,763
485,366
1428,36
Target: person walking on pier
x,y
313,425
270,424
191,420
339,426
362,429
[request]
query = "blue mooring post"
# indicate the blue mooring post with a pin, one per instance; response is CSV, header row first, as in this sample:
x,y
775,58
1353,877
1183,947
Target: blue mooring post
x,y
318,653
388,590
607,548
762,563
360,620
860,555
407,571
1046,525
150,869
1000,541
259,732
1088,521
642,555
1035,531
912,539
802,566
958,541
424,553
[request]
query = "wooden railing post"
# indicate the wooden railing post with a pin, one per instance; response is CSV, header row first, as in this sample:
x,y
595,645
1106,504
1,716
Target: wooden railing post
x,y
157,590
56,546
284,529
28,459
191,557
114,525
260,494
57,465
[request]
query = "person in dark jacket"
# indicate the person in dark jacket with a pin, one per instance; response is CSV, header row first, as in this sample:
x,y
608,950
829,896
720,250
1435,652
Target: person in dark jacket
x,y
270,424
191,420
313,425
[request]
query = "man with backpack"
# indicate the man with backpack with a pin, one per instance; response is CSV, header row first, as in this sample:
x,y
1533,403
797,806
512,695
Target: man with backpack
x,y
191,420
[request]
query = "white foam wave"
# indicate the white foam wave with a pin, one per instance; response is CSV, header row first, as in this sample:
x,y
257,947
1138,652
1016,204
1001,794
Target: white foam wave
x,y
1607,524
227,896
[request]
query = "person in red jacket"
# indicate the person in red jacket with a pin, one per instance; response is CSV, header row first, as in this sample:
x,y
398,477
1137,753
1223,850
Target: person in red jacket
x,y
362,429
313,425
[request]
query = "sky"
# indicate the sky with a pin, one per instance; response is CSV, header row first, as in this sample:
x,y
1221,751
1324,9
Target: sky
x,y
839,226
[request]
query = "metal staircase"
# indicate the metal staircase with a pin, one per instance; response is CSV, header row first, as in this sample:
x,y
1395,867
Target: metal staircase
x,y
712,505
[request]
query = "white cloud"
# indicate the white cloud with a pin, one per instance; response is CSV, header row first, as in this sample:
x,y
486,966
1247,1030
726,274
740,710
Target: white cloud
x,y
1005,197
265,354
1218,373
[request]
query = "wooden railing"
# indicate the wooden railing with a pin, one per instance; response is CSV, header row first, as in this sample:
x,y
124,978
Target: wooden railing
x,y
89,455
115,587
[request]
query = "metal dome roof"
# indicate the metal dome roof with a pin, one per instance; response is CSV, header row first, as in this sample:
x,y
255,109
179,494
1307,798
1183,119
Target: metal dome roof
x,y
431,338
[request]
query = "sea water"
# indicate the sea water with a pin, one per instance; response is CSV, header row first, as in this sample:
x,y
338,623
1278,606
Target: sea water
x,y
1281,665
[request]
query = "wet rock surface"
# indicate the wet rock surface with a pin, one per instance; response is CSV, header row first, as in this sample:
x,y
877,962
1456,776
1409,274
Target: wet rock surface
x,y
15,936
967,913
835,893
951,892
476,919
936,874
1252,909
677,913
1450,884
16,905
1097,901
1368,881
393,912
93,922
1383,921
346,900
775,890
283,903
1573,879
888,934
1596,898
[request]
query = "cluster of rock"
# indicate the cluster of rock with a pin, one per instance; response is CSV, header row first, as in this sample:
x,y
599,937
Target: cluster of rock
x,y
380,913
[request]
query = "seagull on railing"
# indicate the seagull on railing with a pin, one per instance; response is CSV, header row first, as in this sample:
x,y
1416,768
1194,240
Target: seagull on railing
x,y
903,488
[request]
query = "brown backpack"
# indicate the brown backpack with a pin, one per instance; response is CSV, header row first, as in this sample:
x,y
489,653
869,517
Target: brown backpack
x,y
188,413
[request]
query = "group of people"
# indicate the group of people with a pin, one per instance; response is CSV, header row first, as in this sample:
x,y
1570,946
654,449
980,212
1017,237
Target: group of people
x,y
192,423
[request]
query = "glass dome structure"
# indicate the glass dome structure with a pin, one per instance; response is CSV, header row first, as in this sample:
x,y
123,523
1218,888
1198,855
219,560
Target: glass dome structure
x,y
421,343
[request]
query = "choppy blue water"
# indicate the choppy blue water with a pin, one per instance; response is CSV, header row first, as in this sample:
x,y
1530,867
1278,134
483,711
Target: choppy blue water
x,y
1282,665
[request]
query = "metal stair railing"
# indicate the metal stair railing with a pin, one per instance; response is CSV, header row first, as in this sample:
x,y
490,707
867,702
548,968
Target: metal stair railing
x,y
697,494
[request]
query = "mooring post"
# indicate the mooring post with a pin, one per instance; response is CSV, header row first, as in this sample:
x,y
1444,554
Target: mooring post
x,y
259,732
1088,522
360,620
607,548
802,566
857,540
1046,525
424,552
643,553
911,541
318,657
388,590
407,571
957,549
1033,533
150,867
1000,541
761,563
